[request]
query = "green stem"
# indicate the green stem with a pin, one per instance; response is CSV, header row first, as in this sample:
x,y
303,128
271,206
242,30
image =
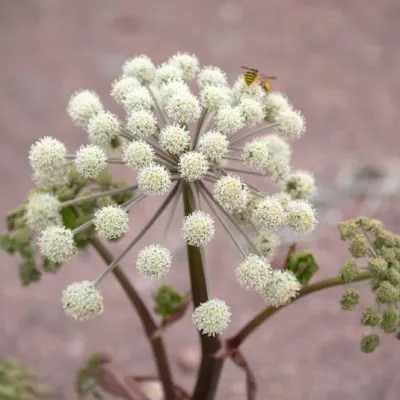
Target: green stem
x,y
198,128
210,367
157,344
259,319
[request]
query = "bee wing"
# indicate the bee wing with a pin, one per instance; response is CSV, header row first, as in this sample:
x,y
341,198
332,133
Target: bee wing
x,y
267,77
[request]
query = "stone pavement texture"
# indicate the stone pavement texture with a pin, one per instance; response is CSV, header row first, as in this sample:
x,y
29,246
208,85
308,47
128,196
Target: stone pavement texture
x,y
339,62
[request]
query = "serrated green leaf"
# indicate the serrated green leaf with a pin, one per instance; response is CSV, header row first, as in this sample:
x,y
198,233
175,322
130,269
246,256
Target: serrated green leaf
x,y
303,265
168,300
28,272
7,243
49,266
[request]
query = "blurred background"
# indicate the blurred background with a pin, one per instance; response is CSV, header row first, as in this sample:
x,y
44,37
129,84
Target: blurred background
x,y
339,63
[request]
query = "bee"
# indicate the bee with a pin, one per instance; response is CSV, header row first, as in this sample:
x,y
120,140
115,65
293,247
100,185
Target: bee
x,y
252,76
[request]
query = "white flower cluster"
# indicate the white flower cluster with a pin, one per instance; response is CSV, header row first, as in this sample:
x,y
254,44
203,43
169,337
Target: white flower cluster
x,y
174,137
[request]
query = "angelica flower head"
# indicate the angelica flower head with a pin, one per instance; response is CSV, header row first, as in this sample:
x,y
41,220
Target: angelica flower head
x,y
82,301
212,317
42,211
179,140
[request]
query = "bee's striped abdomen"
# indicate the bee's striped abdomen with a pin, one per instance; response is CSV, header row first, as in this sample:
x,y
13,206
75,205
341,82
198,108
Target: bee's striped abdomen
x,y
250,77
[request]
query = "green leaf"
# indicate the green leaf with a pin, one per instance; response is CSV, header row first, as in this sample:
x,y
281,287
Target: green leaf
x,y
28,272
168,300
7,243
85,375
50,266
15,217
69,217
303,265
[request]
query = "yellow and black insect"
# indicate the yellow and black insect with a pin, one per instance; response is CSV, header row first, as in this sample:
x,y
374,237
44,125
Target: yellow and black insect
x,y
252,76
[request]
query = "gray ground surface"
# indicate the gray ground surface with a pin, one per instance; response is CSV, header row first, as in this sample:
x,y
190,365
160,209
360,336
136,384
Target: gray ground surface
x,y
338,61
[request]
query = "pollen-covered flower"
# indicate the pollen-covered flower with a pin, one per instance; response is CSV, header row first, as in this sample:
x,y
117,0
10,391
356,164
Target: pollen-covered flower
x,y
212,317
211,76
174,139
138,154
231,193
141,68
301,216
167,72
252,111
255,154
281,288
290,123
193,166
198,228
111,221
183,108
138,99
300,185
42,211
268,215
254,272
47,155
141,123
103,127
154,261
187,63
213,145
241,90
154,180
213,97
229,120
266,244
83,106
173,88
275,103
279,153
122,86
277,145
90,161
82,301
57,244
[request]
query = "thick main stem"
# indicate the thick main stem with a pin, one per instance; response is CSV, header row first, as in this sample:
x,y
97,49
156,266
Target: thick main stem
x,y
149,325
210,367
260,318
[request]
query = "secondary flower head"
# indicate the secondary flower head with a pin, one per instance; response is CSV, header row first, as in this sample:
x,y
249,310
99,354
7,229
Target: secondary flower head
x,y
83,106
268,215
175,139
212,317
141,123
212,76
281,288
198,229
214,145
138,99
300,185
90,161
47,155
57,244
82,301
275,103
122,86
138,154
213,97
254,272
229,120
183,108
187,63
255,154
103,128
266,244
252,111
167,73
193,166
301,216
290,124
42,211
141,68
154,261
231,193
154,180
279,153
111,221
173,88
